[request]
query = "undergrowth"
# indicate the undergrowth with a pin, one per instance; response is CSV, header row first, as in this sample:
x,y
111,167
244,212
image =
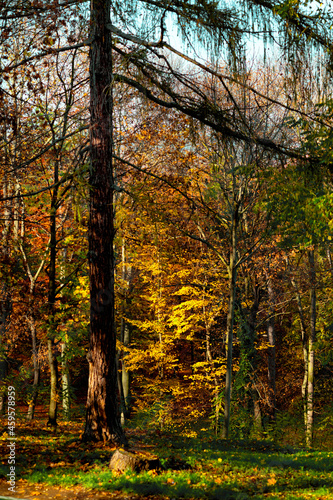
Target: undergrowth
x,y
215,468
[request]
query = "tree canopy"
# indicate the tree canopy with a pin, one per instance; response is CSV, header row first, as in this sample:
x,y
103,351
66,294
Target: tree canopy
x,y
191,133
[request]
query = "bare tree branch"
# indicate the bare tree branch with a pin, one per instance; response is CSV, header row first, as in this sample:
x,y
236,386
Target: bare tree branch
x,y
48,52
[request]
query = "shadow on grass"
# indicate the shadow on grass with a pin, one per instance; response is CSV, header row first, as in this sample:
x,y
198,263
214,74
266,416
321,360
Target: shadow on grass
x,y
188,485
230,470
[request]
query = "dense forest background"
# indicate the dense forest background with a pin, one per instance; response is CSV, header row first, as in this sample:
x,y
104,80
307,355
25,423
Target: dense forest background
x,y
221,229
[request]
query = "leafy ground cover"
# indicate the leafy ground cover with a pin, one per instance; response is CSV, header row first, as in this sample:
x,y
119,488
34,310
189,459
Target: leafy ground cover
x,y
198,467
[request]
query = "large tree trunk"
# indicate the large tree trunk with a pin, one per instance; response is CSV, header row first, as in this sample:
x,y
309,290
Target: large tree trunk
x,y
102,419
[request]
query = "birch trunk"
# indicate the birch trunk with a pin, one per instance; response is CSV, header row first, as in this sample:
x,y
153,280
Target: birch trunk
x,y
305,350
65,382
311,351
125,338
125,374
65,378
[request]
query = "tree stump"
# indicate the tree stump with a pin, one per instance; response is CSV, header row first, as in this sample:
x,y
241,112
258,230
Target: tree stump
x,y
123,460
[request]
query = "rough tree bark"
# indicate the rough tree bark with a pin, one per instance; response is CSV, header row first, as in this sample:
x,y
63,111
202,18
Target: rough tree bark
x,y
102,420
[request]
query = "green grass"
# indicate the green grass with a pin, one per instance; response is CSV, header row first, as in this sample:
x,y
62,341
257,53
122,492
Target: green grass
x,y
219,469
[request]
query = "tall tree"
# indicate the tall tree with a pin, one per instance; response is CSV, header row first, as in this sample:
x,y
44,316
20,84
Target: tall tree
x,y
102,420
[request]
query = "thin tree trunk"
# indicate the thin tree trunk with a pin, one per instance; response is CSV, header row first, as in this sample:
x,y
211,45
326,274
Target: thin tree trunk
x,y
305,351
271,350
125,374
329,256
102,419
65,378
121,393
311,351
7,191
36,368
53,364
6,303
65,382
5,310
125,338
209,358
159,321
247,338
230,327
30,316
257,417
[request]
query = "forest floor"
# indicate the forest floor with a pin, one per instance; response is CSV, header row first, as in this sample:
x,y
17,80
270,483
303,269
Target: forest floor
x,y
197,465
